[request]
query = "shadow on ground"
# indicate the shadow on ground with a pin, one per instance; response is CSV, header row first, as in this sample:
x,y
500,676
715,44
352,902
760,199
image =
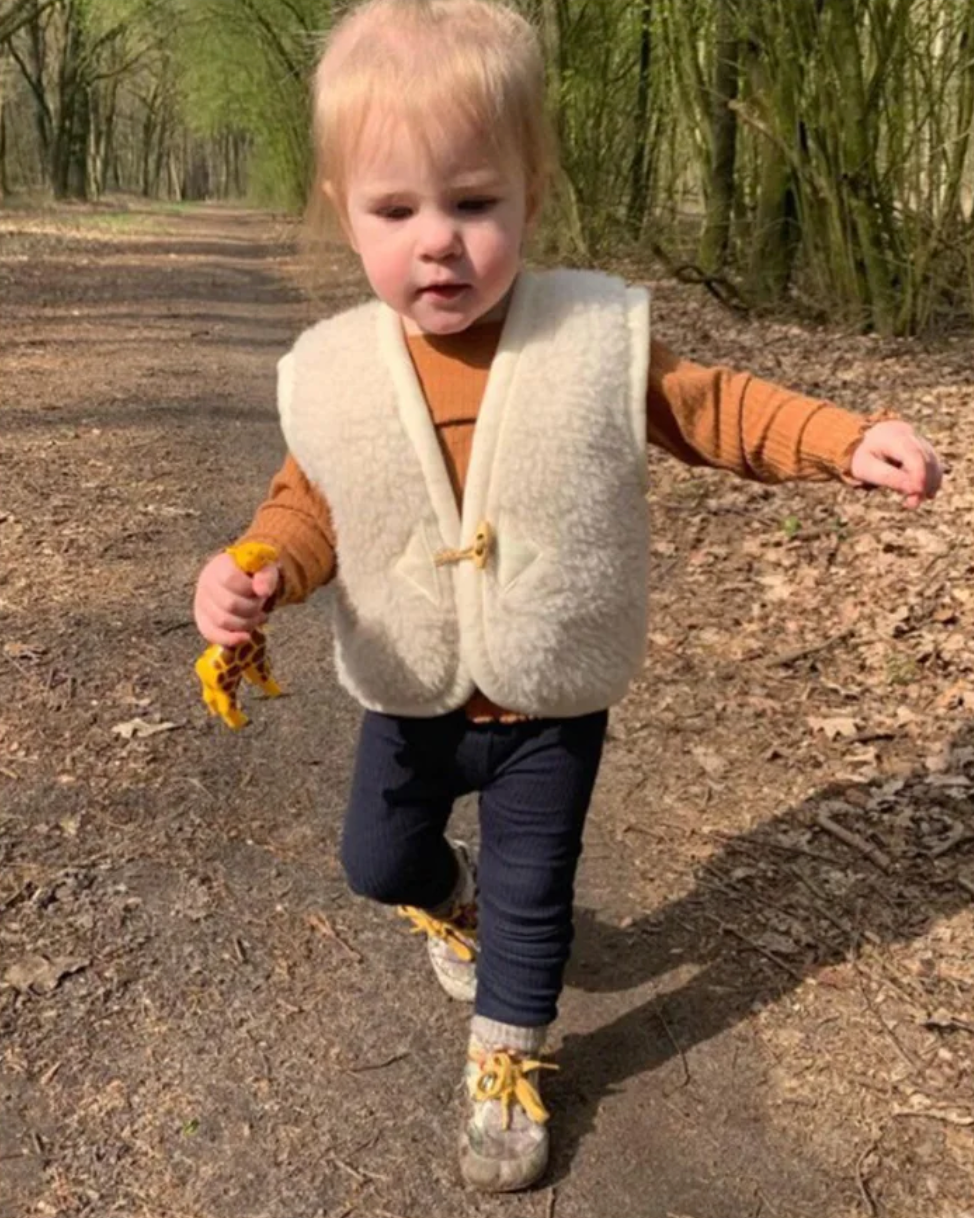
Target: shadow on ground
x,y
823,899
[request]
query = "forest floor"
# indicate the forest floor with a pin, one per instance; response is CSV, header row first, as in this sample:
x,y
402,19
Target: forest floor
x,y
771,1003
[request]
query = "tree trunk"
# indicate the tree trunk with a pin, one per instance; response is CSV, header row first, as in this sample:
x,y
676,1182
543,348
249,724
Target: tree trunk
x,y
162,143
4,185
858,152
639,168
720,186
4,189
148,131
196,173
223,176
239,151
69,168
777,235
554,24
175,176
105,109
79,147
33,73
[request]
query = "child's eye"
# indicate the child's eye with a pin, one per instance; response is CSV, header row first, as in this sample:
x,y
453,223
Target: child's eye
x,y
477,205
395,213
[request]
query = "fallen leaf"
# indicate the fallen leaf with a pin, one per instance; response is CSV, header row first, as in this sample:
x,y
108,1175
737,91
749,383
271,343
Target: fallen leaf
x,y
863,756
139,728
41,975
778,586
919,1105
944,1021
23,651
780,945
166,509
710,762
834,976
834,726
948,781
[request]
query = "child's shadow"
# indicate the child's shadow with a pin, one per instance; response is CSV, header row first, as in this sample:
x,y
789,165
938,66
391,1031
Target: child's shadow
x,y
789,890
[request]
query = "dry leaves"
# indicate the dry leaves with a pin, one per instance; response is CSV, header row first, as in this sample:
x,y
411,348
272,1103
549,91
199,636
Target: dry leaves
x,y
711,762
140,729
39,975
919,1105
836,727
29,652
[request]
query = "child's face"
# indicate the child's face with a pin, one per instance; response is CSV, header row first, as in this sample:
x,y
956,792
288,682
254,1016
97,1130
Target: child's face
x,y
439,239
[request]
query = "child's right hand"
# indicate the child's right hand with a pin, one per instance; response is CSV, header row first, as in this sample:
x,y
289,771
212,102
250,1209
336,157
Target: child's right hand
x,y
229,604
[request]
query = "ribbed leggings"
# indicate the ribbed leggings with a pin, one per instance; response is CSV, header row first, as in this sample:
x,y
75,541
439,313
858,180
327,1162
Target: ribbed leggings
x,y
535,782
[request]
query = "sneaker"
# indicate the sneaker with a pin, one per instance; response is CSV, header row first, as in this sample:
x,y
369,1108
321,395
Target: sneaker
x,y
451,941
504,1140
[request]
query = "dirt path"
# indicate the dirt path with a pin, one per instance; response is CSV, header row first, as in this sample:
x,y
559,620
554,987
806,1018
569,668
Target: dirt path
x,y
197,1020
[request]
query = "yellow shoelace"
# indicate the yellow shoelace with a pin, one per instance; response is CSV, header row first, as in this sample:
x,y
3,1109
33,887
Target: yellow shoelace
x,y
439,928
501,1076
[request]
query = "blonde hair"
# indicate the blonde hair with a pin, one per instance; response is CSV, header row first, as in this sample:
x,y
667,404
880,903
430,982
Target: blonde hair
x,y
439,66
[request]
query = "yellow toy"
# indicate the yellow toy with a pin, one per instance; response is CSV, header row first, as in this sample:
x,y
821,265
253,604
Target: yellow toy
x,y
221,669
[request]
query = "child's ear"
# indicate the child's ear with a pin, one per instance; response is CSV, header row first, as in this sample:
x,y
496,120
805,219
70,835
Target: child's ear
x,y
335,202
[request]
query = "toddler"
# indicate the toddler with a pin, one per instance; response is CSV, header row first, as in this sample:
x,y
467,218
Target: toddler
x,y
467,465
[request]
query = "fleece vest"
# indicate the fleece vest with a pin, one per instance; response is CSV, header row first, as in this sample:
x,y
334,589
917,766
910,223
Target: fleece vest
x,y
535,590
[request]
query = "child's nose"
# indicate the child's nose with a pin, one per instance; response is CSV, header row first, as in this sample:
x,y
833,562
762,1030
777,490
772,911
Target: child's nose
x,y
440,237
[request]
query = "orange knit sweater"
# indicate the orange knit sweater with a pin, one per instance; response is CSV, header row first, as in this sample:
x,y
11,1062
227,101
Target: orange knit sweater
x,y
703,416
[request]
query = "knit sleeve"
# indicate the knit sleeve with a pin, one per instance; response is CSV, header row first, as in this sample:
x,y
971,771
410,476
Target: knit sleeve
x,y
754,428
295,518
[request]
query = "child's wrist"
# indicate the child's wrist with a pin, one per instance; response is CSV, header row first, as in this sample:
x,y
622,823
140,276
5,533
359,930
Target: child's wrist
x,y
866,424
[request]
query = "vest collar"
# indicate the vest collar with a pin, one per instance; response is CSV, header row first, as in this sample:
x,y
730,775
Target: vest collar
x,y
458,527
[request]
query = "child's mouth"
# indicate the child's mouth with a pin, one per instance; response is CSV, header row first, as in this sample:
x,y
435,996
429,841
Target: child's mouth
x,y
444,291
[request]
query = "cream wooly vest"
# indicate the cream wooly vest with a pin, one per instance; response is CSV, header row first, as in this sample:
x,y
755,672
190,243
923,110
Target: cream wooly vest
x,y
536,593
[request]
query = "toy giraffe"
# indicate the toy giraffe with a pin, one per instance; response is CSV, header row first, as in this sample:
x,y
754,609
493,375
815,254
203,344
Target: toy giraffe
x,y
221,669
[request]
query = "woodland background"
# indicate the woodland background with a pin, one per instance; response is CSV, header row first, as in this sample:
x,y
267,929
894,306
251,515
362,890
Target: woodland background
x,y
815,152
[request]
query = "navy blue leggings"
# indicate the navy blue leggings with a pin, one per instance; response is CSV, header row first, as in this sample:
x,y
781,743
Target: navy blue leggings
x,y
535,781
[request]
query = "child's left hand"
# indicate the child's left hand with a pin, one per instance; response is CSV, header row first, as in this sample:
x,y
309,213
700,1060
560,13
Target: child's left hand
x,y
892,455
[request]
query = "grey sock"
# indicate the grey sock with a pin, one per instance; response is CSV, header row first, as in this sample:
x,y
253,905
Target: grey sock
x,y
492,1034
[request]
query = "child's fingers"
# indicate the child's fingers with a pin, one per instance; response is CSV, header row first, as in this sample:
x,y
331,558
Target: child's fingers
x,y
237,622
235,581
893,456
877,470
911,471
220,615
264,582
923,468
241,609
226,638
934,470
218,626
913,466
